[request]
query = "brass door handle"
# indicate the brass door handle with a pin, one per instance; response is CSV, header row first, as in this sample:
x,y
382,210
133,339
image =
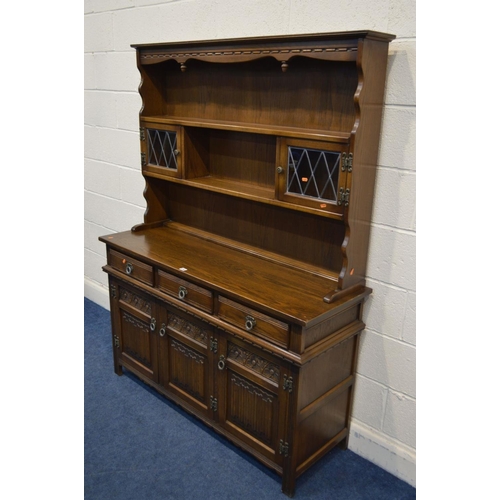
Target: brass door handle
x,y
222,362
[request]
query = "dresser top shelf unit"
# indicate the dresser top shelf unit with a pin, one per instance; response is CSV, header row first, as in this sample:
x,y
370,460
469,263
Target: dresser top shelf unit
x,y
276,135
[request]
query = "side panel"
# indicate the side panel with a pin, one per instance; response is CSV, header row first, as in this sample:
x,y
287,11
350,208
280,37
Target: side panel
x,y
323,403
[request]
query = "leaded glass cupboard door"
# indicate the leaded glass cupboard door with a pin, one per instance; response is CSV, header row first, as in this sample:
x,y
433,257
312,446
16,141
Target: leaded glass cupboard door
x,y
313,174
161,150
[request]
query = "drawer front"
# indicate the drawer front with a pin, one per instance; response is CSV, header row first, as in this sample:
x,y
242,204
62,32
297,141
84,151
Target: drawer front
x,y
131,267
185,291
254,321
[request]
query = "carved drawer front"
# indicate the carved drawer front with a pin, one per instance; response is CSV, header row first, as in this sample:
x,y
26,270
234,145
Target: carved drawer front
x,y
254,321
255,363
133,298
131,267
185,291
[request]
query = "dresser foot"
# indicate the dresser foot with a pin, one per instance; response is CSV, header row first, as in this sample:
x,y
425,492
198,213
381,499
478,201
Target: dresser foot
x,y
343,444
288,485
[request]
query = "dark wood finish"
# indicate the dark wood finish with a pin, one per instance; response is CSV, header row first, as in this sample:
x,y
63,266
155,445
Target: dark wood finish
x,y
251,404
253,321
134,337
239,297
131,266
150,167
186,291
186,362
319,204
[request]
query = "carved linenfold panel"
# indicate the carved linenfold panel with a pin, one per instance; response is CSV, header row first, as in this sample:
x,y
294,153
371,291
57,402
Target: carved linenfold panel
x,y
136,323
253,362
186,351
133,340
135,300
267,397
187,328
247,427
251,408
133,354
188,370
187,388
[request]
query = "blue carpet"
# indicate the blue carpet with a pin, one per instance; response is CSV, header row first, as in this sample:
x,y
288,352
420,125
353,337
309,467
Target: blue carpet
x,y
138,445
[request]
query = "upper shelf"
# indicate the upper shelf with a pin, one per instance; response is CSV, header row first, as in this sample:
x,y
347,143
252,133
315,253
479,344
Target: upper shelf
x,y
283,131
313,99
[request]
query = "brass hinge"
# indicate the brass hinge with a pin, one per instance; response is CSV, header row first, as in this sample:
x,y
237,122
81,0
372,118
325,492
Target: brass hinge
x,y
213,403
283,448
143,159
287,383
346,162
116,341
343,198
213,345
141,133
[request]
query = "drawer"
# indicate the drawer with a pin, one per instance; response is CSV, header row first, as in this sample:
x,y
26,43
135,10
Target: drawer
x,y
131,267
185,291
254,321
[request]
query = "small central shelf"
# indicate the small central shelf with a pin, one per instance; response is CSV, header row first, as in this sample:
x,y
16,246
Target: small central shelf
x,y
324,135
233,187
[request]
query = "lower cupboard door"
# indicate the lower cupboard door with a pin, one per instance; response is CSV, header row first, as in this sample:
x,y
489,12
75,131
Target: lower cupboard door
x,y
252,405
185,367
137,343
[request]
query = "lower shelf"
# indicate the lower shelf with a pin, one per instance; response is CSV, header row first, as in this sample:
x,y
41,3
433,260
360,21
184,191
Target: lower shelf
x,y
246,191
233,187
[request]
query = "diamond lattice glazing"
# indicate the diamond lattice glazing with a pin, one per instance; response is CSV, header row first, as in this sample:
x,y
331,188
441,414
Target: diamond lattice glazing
x,y
162,146
313,173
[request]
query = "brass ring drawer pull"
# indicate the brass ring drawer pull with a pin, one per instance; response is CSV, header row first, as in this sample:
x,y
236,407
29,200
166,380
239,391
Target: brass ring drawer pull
x,y
152,324
163,330
250,322
182,292
129,268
